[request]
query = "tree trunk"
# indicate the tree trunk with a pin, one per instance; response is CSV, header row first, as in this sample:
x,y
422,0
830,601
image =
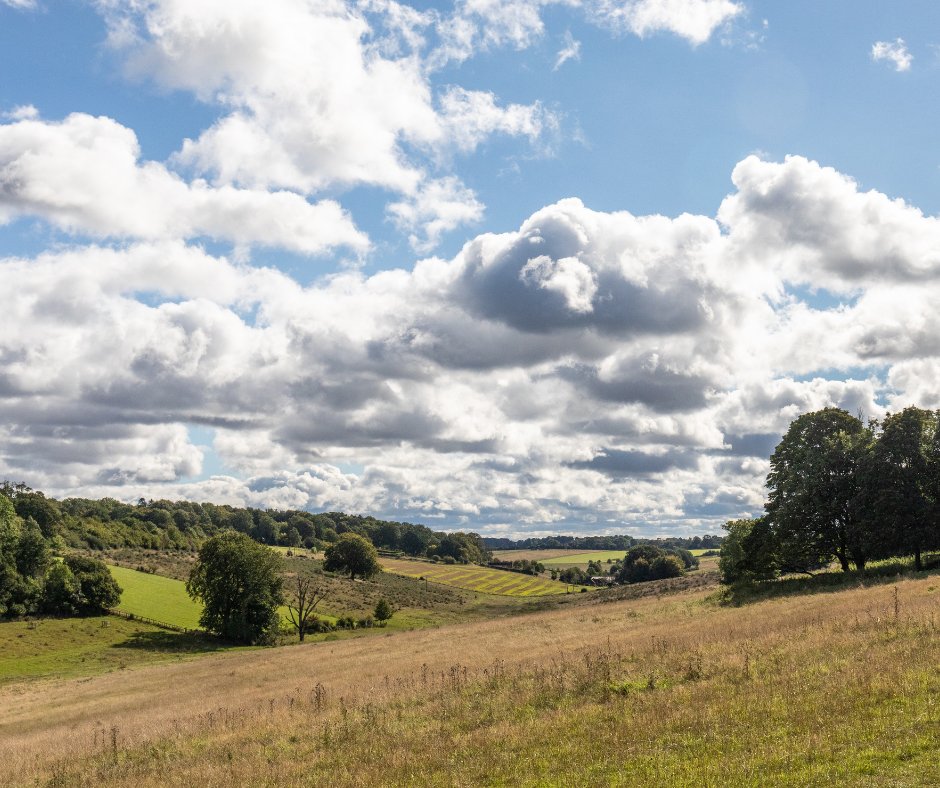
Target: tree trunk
x,y
918,563
843,561
301,632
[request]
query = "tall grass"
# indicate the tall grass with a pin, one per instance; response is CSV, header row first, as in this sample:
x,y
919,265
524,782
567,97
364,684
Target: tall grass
x,y
834,689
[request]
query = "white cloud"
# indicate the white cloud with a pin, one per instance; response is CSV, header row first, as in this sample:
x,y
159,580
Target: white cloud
x,y
894,52
587,367
320,94
84,175
814,226
471,116
436,208
694,20
570,51
20,4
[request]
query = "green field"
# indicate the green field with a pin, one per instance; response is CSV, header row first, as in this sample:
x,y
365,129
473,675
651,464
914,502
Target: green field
x,y
154,596
583,558
476,578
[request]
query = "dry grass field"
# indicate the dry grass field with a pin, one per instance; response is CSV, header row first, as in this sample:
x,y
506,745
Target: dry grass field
x,y
838,688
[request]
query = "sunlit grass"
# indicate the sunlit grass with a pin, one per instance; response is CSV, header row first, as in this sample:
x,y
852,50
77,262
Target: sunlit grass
x,y
834,689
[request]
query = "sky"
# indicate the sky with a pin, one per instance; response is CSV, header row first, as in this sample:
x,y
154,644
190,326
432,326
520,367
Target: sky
x,y
523,267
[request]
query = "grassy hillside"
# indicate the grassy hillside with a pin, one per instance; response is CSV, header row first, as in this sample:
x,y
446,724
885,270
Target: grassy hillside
x,y
839,688
476,578
82,647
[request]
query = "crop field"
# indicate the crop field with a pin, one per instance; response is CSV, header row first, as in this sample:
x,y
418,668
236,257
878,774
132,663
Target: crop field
x,y
477,578
572,558
533,555
160,598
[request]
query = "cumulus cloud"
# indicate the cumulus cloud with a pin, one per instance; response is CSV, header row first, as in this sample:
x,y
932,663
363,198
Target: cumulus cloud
x,y
588,367
84,175
894,52
437,207
694,20
321,94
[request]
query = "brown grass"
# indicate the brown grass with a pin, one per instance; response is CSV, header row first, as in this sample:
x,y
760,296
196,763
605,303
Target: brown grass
x,y
840,688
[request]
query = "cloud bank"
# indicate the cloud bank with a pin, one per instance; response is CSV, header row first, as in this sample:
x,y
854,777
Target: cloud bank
x,y
587,370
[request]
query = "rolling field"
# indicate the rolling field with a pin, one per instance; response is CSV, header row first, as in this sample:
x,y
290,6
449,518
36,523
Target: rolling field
x,y
837,688
160,598
476,578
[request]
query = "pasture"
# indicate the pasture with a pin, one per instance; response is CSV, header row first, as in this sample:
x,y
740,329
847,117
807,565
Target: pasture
x,y
154,596
476,578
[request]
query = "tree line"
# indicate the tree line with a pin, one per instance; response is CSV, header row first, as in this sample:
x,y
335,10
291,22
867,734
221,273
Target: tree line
x,y
843,490
106,523
611,542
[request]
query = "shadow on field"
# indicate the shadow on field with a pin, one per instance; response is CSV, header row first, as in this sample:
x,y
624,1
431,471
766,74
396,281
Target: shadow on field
x,y
174,642
884,573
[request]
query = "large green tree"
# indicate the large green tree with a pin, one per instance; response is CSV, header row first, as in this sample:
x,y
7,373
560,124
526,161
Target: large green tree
x,y
353,554
239,584
814,484
901,482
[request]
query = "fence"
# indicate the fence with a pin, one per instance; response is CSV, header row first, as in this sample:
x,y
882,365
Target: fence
x,y
154,622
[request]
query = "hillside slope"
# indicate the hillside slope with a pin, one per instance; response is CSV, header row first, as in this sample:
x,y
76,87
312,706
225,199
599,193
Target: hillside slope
x,y
836,688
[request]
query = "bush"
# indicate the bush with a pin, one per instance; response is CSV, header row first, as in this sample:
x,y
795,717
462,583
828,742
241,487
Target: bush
x,y
383,610
647,562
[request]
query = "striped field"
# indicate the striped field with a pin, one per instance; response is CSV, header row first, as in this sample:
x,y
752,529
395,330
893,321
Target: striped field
x,y
476,578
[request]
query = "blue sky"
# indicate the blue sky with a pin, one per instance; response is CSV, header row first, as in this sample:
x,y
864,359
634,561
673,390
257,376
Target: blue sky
x,y
525,267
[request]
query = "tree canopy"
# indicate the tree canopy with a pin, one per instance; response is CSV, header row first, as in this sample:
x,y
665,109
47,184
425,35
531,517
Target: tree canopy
x,y
239,584
813,490
841,489
353,554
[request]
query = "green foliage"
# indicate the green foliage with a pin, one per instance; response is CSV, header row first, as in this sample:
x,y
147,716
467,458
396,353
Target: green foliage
x,y
98,590
354,554
32,551
647,562
61,593
748,552
901,483
383,610
464,548
814,488
239,584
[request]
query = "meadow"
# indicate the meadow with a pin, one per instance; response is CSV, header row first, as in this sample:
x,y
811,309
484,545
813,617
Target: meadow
x,y
154,596
833,688
477,578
